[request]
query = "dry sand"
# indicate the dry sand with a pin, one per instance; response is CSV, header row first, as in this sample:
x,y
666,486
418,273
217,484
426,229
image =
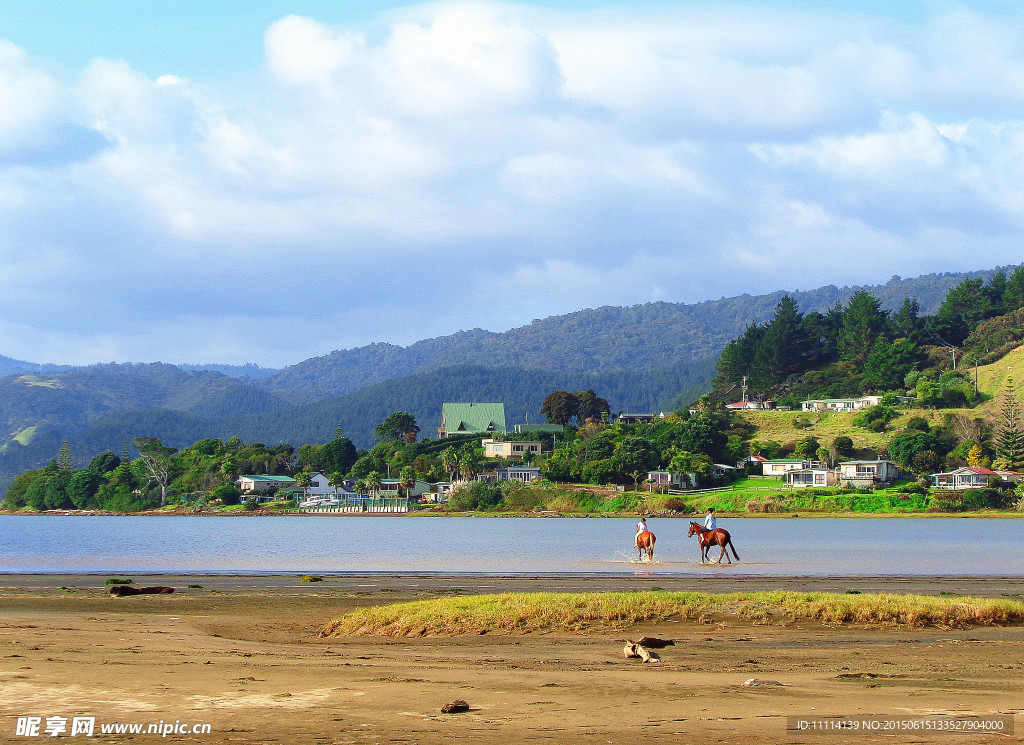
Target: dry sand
x,y
242,654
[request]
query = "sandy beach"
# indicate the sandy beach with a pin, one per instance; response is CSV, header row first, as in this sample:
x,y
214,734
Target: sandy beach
x,y
242,655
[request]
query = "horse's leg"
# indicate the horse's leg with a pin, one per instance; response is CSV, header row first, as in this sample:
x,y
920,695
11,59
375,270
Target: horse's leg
x,y
725,554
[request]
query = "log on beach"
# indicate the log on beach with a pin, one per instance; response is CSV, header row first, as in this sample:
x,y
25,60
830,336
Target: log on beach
x,y
121,591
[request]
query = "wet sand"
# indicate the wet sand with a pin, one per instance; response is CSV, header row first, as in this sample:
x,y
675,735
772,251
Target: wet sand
x,y
242,654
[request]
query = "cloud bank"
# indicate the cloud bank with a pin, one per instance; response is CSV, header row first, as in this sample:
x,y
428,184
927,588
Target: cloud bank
x,y
462,164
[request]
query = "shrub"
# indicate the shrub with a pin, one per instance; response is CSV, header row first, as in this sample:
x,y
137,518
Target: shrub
x,y
970,499
876,418
675,505
119,581
910,488
521,498
771,503
476,496
843,445
918,423
227,493
250,504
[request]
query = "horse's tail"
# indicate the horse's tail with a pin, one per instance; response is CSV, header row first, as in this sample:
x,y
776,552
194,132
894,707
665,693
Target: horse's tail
x,y
733,549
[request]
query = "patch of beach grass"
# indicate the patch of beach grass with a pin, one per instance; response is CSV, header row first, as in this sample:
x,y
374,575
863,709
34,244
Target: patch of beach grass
x,y
119,581
523,613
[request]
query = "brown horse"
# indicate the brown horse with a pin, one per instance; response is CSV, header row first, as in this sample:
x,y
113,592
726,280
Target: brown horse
x,y
709,538
645,542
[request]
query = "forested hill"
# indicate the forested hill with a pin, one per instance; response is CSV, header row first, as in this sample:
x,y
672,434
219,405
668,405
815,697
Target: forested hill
x,y
223,414
599,340
657,356
11,366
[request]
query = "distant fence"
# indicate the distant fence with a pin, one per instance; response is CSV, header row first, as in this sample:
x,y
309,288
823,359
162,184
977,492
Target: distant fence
x,y
379,505
676,492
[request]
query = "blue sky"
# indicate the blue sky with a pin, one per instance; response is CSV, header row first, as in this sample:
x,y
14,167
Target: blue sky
x,y
265,182
222,37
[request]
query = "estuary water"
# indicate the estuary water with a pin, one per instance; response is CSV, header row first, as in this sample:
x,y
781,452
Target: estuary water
x,y
506,546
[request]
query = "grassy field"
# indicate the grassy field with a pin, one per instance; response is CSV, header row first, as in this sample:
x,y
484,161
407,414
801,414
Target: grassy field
x,y
25,436
992,380
522,613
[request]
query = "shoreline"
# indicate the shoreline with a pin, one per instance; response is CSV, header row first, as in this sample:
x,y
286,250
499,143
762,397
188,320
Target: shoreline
x,y
972,514
284,583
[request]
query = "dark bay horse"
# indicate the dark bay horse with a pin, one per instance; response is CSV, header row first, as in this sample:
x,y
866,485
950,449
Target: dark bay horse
x,y
645,542
709,538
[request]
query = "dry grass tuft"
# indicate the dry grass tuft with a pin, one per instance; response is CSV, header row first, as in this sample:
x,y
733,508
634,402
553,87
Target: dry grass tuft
x,y
523,613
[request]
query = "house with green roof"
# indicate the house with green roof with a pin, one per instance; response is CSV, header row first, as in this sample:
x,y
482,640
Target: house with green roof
x,y
263,482
463,418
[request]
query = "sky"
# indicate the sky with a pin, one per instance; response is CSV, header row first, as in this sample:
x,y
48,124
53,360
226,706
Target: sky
x,y
211,181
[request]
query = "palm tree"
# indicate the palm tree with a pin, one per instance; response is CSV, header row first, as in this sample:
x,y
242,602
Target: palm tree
x,y
407,479
470,462
373,483
304,480
450,463
336,481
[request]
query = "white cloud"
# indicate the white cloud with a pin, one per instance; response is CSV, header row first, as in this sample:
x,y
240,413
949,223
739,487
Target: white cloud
x,y
365,177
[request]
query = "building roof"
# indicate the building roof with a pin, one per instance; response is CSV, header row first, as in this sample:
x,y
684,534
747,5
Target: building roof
x,y
539,428
838,400
978,470
473,417
787,460
864,462
267,477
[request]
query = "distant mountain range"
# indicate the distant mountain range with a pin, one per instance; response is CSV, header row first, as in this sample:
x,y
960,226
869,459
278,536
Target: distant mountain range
x,y
656,356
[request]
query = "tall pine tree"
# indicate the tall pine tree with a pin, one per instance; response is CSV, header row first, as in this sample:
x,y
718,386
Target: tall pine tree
x,y
863,324
1013,296
64,462
907,324
1009,437
783,346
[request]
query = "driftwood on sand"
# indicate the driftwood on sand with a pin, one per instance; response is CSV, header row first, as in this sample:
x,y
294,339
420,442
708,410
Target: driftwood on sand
x,y
123,590
632,650
653,642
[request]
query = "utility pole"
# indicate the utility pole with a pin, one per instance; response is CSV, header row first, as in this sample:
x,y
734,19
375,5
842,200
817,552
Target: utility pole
x,y
744,399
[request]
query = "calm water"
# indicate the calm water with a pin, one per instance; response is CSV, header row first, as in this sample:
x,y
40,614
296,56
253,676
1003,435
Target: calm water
x,y
50,544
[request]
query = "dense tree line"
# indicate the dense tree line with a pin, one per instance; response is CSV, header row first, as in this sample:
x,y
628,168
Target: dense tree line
x,y
861,348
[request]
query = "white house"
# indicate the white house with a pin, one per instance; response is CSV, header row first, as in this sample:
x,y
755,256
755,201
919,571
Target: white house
x,y
321,486
722,469
863,473
250,483
853,403
391,488
522,474
968,477
841,404
804,477
671,479
779,466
